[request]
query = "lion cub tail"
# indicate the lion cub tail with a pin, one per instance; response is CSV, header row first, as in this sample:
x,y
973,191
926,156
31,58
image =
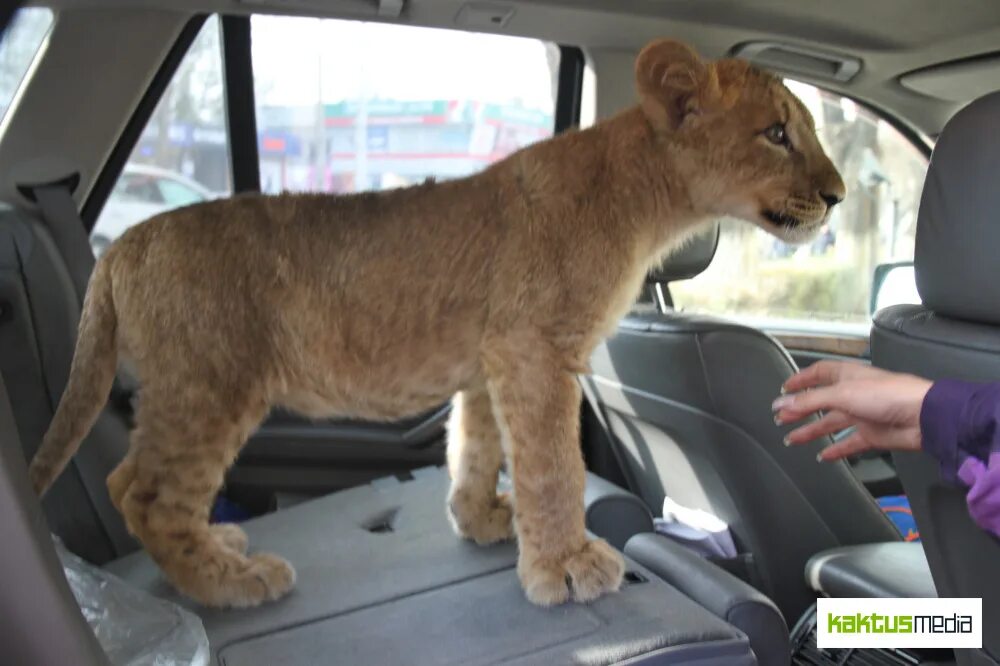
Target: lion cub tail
x,y
90,378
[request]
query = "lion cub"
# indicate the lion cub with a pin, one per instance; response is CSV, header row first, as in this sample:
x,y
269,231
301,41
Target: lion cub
x,y
494,287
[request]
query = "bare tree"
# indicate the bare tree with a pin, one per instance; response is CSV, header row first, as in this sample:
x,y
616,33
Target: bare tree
x,y
193,98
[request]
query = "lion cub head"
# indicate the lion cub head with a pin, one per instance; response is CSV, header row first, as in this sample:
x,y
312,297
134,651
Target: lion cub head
x,y
743,144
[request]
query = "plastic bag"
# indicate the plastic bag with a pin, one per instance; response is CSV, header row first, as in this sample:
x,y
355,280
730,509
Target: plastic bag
x,y
133,627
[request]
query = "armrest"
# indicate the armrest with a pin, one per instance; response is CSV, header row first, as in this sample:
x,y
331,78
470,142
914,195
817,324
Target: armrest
x,y
614,513
872,570
723,594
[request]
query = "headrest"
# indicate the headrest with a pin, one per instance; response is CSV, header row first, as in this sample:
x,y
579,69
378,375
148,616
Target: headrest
x,y
958,226
692,258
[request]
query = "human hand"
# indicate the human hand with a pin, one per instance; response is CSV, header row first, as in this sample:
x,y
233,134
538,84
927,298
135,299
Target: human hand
x,y
883,406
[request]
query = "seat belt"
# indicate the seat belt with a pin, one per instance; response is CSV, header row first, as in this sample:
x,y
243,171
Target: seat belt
x,y
55,200
58,209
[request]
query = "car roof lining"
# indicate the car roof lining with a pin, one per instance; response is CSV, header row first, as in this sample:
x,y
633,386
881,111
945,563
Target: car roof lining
x,y
891,38
957,81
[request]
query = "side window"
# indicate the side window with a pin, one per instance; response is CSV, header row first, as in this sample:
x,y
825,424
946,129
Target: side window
x,y
343,112
20,43
825,285
182,156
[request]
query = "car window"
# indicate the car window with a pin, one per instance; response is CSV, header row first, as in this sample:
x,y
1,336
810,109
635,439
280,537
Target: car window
x,y
185,138
343,112
19,46
825,284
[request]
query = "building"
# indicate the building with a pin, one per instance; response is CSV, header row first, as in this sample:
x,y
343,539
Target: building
x,y
401,142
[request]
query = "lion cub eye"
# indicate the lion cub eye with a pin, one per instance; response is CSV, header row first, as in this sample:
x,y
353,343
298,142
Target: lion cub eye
x,y
776,134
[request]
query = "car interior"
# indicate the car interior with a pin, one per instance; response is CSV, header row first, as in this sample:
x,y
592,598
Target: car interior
x,y
228,96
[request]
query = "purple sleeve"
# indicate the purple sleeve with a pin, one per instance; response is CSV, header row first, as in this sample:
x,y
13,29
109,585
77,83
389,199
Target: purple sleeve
x,y
960,427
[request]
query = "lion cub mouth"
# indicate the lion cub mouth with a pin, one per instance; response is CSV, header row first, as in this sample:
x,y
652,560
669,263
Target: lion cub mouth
x,y
781,219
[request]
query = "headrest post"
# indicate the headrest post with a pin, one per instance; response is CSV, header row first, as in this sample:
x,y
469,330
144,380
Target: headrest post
x,y
687,261
663,300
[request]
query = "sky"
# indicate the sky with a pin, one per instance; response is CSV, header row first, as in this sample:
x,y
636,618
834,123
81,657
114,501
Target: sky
x,y
393,62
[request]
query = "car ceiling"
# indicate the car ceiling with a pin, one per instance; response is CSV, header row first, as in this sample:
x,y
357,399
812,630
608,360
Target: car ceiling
x,y
891,38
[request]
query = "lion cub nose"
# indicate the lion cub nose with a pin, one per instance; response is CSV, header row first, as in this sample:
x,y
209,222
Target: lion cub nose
x,y
831,199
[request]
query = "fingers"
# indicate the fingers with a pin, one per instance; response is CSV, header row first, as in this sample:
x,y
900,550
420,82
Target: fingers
x,y
853,444
885,407
824,373
831,423
817,374
796,406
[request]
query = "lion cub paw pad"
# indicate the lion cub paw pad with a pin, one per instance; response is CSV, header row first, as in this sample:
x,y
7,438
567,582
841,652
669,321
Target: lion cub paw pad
x,y
594,570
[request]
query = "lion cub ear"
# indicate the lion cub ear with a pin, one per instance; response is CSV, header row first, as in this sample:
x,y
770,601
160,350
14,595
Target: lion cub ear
x,y
673,82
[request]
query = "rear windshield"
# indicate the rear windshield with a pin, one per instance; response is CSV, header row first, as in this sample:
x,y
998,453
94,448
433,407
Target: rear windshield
x,y
20,43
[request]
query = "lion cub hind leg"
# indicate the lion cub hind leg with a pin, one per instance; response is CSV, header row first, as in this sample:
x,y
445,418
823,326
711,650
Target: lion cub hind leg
x,y
539,401
232,536
120,480
475,456
179,456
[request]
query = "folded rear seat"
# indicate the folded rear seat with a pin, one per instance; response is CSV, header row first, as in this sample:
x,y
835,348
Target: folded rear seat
x,y
383,580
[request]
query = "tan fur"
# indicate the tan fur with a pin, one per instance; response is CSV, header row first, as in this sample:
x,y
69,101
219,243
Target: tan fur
x,y
379,305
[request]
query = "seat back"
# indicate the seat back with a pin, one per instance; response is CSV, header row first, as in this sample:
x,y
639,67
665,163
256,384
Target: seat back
x,y
954,334
39,314
42,621
686,400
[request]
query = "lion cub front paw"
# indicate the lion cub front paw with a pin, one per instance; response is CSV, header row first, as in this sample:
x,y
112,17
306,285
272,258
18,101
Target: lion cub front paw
x,y
484,522
585,575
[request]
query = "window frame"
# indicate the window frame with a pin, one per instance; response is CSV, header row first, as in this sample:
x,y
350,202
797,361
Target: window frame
x,y
569,92
115,164
907,132
241,109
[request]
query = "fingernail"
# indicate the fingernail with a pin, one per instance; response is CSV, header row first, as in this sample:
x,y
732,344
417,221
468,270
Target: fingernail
x,y
786,441
781,402
819,457
777,420
783,390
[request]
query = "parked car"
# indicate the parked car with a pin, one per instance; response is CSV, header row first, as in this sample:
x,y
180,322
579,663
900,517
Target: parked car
x,y
141,192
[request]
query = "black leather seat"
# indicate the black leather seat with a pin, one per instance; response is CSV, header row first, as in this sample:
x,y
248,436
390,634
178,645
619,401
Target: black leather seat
x,y
39,314
889,569
686,400
954,334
